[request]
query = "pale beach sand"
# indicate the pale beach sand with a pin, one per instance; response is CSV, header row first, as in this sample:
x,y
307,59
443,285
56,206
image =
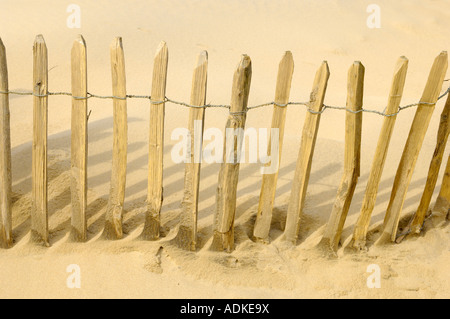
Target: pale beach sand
x,y
331,30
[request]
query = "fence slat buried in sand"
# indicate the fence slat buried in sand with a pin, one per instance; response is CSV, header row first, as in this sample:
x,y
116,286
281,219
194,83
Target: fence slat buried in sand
x,y
370,195
114,211
39,213
223,237
441,208
187,233
269,181
352,159
416,223
305,155
6,239
79,145
156,144
412,148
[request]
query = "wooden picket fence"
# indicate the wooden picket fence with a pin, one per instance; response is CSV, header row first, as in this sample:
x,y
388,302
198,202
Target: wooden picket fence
x,y
223,237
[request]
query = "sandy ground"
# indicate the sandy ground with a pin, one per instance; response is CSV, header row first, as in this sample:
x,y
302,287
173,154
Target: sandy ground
x,y
314,31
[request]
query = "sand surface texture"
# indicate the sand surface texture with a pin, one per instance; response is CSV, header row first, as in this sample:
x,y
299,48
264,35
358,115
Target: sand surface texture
x,y
331,30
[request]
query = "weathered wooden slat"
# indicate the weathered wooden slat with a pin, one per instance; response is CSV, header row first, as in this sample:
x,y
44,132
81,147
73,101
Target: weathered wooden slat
x,y
223,238
352,160
370,196
441,208
6,239
187,233
114,211
79,145
412,148
269,181
156,145
416,223
305,155
39,213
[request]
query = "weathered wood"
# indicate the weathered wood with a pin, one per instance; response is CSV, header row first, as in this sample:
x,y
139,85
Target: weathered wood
x,y
305,155
79,145
187,233
370,196
223,238
441,208
416,223
156,145
352,160
39,213
114,211
412,148
6,239
269,181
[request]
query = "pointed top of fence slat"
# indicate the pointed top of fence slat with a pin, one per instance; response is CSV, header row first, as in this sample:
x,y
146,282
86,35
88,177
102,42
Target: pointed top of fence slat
x,y
80,39
39,39
400,64
241,84
202,58
436,78
117,43
287,56
162,49
2,46
287,62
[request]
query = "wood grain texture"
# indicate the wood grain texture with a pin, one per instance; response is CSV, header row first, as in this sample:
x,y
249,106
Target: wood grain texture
x,y
441,208
39,213
223,238
370,195
412,148
79,141
187,233
352,159
156,145
114,211
305,155
6,239
415,225
269,181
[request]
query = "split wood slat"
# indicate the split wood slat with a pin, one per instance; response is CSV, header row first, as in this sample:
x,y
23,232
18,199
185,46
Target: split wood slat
x,y
79,145
269,181
417,220
39,213
114,211
6,239
441,208
412,148
223,238
370,196
305,155
187,233
352,160
156,145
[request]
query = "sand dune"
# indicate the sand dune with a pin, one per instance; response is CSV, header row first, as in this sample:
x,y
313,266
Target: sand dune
x,y
331,30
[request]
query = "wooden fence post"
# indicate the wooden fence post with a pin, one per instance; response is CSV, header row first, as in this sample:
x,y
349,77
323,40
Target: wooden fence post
x,y
370,196
416,223
39,213
306,153
412,148
352,161
442,207
223,238
187,232
114,211
269,181
79,146
156,144
6,239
